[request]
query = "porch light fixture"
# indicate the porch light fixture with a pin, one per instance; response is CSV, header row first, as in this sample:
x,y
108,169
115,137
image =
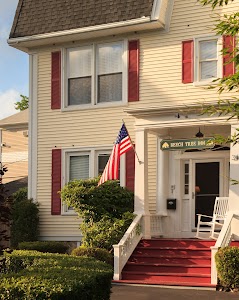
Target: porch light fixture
x,y
199,134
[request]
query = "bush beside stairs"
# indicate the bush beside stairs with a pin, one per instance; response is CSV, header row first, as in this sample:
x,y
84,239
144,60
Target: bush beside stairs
x,y
185,262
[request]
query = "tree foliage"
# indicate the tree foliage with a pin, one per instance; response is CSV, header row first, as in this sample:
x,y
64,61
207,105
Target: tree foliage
x,y
228,25
215,3
22,104
5,208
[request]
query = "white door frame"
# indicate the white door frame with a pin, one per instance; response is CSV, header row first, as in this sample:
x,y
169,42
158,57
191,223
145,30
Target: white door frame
x,y
223,157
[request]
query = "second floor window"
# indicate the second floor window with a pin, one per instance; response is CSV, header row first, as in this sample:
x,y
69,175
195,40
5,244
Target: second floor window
x,y
95,74
208,59
208,63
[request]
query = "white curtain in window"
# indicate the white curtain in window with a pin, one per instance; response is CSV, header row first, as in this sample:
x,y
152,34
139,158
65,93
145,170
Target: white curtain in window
x,y
208,50
208,69
79,167
79,62
208,59
110,58
109,67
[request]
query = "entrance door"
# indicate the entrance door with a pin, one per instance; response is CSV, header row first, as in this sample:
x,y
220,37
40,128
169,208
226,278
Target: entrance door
x,y
206,188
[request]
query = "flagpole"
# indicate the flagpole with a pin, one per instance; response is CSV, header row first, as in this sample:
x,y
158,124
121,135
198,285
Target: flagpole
x,y
140,162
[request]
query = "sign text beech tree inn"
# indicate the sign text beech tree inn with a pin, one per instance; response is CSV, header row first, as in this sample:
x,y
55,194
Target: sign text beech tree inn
x,y
187,144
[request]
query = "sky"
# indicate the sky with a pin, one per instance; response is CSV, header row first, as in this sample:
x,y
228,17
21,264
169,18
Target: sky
x,y
13,64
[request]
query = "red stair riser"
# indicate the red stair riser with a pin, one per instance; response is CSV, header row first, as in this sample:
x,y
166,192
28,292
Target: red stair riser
x,y
174,279
167,269
171,260
235,243
177,243
171,252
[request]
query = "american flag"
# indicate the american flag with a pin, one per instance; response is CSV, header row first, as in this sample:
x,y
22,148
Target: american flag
x,y
121,146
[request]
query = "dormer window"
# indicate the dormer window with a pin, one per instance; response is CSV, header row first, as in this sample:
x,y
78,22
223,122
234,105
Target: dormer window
x,y
95,74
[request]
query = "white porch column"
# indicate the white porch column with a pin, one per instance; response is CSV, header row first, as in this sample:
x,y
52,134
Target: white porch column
x,y
234,174
141,205
163,173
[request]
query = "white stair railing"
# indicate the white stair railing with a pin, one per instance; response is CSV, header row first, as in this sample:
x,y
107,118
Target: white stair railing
x,y
127,244
224,239
142,226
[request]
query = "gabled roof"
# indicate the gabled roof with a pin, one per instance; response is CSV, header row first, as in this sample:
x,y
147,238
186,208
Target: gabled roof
x,y
35,17
16,119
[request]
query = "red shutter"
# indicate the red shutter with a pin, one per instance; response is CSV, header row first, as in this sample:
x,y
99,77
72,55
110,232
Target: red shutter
x,y
229,45
56,80
130,169
187,61
56,182
133,71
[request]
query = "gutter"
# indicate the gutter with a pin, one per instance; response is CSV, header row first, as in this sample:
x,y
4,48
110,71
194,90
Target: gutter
x,y
142,23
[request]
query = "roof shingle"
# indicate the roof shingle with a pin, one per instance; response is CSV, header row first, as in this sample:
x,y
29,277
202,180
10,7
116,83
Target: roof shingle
x,y
45,16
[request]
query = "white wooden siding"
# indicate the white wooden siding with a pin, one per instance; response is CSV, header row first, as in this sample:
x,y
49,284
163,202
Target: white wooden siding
x,y
160,86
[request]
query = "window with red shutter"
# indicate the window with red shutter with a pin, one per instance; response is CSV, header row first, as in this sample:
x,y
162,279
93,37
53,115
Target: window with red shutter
x,y
208,59
228,65
187,61
56,80
56,182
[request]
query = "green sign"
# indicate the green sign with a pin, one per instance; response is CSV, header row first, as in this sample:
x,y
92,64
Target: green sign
x,y
199,143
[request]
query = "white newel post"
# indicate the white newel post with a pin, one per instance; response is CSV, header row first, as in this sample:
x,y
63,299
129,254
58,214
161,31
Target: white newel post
x,y
117,261
141,205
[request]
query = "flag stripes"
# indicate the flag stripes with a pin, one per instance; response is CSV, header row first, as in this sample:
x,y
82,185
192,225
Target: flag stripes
x,y
121,146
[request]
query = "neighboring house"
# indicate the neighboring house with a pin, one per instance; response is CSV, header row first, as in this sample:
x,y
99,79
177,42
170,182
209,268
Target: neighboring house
x,y
14,150
149,62
14,154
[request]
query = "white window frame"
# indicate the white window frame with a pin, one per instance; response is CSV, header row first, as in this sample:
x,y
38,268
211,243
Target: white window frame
x,y
197,41
94,104
93,153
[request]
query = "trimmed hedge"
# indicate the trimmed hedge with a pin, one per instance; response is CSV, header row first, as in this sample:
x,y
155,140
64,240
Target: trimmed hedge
x,y
31,275
44,246
25,219
227,263
97,253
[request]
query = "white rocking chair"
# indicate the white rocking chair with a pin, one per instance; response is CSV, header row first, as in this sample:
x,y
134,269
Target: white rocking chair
x,y
214,226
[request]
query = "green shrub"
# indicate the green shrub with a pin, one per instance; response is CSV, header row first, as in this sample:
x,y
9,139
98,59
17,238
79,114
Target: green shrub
x,y
44,246
227,263
106,210
25,221
92,202
20,195
106,232
55,276
99,254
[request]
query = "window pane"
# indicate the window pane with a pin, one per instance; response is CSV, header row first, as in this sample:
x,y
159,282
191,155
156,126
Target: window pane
x,y
79,167
186,178
186,190
208,50
110,87
208,69
186,168
79,90
102,161
79,62
110,58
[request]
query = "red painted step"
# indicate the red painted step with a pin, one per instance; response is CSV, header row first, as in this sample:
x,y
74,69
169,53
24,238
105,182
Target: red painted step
x,y
191,260
184,262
